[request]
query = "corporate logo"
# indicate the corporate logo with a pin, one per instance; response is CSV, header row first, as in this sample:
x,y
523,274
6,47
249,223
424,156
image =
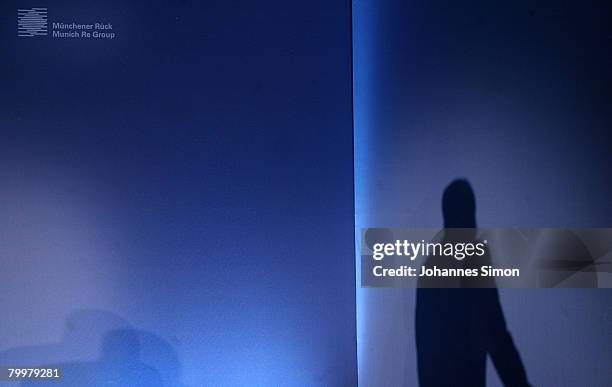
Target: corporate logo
x,y
32,22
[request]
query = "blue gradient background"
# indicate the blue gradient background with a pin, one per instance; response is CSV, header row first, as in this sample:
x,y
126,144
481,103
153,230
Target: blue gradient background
x,y
514,96
191,180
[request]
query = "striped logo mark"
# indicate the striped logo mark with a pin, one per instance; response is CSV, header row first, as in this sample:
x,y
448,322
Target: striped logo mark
x,y
32,22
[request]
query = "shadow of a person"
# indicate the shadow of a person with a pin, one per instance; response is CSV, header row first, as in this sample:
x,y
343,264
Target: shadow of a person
x,y
457,328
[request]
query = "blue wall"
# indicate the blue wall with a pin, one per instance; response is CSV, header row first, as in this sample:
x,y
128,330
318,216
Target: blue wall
x,y
515,97
186,188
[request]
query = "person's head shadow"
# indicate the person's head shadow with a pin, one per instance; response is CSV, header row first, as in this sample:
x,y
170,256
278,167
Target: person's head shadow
x,y
459,211
459,205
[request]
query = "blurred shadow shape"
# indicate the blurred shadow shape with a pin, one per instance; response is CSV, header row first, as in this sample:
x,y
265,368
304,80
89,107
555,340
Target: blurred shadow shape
x,y
81,337
99,348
